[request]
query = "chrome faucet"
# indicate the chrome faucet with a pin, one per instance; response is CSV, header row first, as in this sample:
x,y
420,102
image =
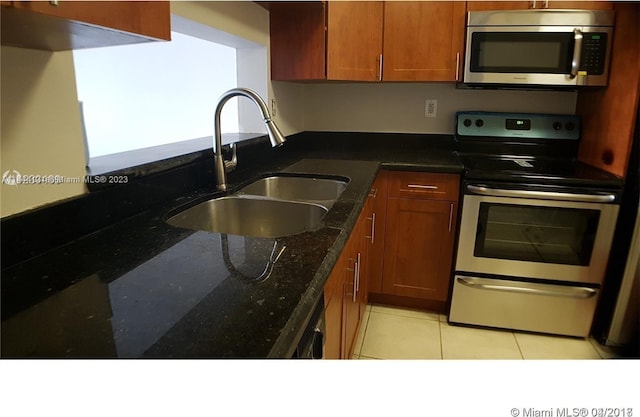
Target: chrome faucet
x,y
220,165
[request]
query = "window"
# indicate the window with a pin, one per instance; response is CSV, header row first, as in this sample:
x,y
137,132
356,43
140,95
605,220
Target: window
x,y
143,95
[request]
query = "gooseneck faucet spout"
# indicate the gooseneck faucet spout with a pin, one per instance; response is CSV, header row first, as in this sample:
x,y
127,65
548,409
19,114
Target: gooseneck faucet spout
x,y
275,136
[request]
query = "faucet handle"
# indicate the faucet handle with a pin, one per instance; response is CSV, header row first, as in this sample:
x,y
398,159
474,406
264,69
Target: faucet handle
x,y
231,165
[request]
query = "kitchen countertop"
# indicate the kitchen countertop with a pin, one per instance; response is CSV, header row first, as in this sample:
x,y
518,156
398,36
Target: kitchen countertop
x,y
141,288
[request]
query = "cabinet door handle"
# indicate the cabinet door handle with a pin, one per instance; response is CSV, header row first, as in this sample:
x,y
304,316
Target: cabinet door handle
x,y
54,3
355,280
373,227
450,216
458,66
373,193
380,68
423,187
358,263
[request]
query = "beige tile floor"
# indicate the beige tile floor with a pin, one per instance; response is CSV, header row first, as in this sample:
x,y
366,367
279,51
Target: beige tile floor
x,y
396,333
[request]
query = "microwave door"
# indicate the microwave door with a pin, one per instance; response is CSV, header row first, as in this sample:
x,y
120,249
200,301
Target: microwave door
x,y
518,57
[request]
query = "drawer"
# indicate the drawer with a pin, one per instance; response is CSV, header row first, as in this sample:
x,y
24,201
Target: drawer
x,y
516,305
425,185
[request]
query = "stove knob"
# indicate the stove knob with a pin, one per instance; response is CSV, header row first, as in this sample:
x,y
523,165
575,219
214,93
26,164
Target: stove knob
x,y
479,123
467,122
557,126
569,126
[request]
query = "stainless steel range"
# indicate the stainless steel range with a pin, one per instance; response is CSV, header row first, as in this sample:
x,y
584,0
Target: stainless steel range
x,y
536,225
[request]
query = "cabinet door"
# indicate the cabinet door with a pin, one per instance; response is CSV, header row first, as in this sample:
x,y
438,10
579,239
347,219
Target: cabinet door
x,y
82,24
350,307
379,210
333,323
354,40
419,248
367,226
423,40
297,32
334,297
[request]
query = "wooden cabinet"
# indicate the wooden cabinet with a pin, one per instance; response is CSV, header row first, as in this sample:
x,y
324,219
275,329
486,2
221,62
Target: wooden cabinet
x,y
346,290
523,5
333,41
420,231
297,38
367,41
401,246
333,300
378,198
609,114
423,41
354,40
65,25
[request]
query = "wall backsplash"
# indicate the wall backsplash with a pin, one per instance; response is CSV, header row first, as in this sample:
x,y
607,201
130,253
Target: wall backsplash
x,y
400,107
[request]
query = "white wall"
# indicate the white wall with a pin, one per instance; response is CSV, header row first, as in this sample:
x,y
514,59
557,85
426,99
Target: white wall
x,y
41,132
400,107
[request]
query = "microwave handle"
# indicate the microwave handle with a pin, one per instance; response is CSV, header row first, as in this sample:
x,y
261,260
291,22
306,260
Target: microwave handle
x,y
577,51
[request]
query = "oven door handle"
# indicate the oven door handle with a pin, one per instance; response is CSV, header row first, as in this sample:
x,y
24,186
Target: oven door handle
x,y
543,289
542,195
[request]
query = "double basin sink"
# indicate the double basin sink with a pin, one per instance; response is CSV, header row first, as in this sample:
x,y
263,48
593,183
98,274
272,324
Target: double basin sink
x,y
275,206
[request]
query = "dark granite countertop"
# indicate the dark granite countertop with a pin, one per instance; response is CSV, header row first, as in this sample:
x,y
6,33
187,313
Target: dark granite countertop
x,y
141,288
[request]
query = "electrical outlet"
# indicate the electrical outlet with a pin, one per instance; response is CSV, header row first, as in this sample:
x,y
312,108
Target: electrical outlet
x,y
431,108
273,107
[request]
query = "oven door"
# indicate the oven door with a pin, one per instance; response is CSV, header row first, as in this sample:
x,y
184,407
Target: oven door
x,y
537,55
541,238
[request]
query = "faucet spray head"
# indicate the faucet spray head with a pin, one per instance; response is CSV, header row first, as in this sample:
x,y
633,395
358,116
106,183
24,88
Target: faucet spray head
x,y
275,136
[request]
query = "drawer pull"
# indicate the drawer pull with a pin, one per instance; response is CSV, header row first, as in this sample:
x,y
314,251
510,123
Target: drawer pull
x,y
423,187
524,288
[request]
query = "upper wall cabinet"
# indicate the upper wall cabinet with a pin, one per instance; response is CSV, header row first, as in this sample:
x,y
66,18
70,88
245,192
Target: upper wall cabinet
x,y
366,41
64,25
326,41
538,4
423,41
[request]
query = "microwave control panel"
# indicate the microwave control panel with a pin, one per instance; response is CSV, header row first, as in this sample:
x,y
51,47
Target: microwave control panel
x,y
594,48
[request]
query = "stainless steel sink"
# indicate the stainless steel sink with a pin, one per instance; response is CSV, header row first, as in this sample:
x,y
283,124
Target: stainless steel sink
x,y
243,215
322,191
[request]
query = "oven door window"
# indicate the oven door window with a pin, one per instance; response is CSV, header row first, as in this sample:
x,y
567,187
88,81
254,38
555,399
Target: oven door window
x,y
518,52
536,234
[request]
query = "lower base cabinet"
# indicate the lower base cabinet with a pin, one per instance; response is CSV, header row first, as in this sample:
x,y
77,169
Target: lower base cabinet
x,y
418,250
333,322
418,238
346,290
400,252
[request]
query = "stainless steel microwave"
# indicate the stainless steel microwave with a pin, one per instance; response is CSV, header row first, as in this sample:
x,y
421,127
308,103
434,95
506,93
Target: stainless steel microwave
x,y
539,47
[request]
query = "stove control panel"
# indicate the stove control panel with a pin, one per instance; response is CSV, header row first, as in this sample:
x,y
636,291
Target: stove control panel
x,y
520,125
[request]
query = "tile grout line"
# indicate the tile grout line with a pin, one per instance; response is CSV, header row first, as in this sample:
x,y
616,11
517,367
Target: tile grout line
x,y
593,342
518,344
440,333
364,331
